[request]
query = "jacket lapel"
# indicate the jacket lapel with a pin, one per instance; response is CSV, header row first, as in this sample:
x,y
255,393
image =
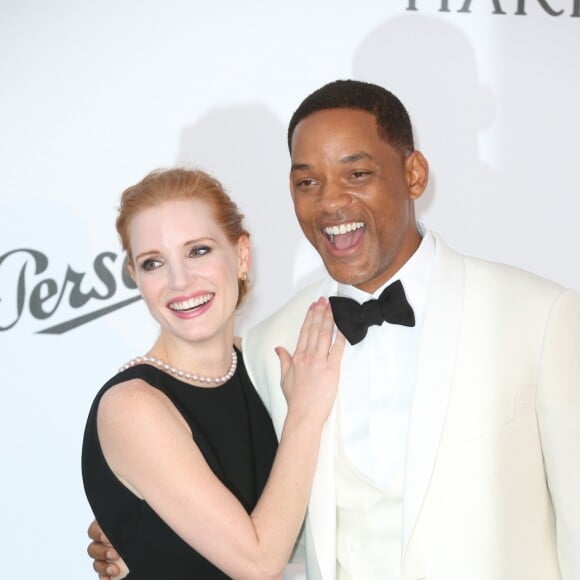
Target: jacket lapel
x,y
322,505
439,343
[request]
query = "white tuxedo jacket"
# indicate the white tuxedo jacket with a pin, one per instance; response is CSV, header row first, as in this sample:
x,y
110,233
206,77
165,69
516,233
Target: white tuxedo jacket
x,y
492,476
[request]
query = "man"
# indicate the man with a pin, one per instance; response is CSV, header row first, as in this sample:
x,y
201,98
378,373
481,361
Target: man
x,y
452,451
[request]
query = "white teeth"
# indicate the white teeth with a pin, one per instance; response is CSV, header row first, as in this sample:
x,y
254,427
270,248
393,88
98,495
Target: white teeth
x,y
191,303
332,231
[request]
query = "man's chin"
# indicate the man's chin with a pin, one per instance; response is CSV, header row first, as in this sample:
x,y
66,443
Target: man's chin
x,y
359,278
344,274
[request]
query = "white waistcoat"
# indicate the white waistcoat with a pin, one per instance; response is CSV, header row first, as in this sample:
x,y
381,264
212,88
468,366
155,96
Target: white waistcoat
x,y
368,523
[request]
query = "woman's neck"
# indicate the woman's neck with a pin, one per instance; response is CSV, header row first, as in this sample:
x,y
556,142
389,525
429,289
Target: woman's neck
x,y
210,357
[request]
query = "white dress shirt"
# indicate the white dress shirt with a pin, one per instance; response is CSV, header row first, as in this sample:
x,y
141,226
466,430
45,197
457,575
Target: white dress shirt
x,y
378,375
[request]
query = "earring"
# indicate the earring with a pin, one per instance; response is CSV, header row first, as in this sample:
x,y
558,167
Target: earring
x,y
244,277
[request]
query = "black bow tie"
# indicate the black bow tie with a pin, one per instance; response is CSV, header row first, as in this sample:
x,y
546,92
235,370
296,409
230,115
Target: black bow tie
x,y
353,319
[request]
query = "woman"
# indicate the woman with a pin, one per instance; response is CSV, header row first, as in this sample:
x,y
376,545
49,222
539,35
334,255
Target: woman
x,y
178,446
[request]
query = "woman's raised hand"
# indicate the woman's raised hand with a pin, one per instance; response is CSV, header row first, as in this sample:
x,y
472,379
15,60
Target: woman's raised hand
x,y
310,376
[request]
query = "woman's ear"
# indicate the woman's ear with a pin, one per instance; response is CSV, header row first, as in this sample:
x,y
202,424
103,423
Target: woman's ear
x,y
130,268
244,256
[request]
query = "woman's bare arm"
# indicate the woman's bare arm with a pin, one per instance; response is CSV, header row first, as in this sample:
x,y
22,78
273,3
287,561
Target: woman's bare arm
x,y
148,445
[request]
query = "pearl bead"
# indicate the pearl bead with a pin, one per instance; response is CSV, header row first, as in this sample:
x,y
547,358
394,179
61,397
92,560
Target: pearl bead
x,y
183,374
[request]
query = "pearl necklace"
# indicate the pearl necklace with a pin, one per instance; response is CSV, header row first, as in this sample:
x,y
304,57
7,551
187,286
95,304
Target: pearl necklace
x,y
183,375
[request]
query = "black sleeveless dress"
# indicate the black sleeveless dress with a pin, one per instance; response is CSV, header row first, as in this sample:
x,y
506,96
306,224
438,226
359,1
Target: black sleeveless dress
x,y
234,432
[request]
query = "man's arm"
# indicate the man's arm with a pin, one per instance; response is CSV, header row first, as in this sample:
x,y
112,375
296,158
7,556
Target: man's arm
x,y
559,422
107,562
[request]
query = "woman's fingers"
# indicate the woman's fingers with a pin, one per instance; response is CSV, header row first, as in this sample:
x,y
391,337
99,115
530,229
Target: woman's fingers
x,y
305,329
316,325
315,341
326,329
285,360
316,333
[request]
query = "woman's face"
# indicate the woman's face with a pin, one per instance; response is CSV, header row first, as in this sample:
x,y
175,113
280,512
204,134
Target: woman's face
x,y
186,269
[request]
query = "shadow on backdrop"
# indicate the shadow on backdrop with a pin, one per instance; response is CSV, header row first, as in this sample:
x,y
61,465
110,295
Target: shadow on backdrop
x,y
244,147
449,109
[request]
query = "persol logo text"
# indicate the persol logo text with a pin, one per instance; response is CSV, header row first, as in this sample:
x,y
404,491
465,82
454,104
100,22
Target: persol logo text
x,y
553,8
30,290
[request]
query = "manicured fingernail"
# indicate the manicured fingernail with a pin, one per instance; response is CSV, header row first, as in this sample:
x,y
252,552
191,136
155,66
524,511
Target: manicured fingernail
x,y
110,570
111,555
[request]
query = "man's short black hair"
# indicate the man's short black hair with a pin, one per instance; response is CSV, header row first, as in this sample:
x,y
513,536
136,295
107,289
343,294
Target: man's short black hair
x,y
393,122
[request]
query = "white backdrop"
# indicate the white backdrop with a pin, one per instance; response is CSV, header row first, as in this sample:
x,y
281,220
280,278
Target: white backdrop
x,y
93,95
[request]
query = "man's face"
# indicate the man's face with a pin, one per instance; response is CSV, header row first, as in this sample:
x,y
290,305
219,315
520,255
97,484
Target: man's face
x,y
353,195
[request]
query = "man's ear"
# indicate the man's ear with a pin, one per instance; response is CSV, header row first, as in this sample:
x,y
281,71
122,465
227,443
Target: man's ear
x,y
244,255
417,173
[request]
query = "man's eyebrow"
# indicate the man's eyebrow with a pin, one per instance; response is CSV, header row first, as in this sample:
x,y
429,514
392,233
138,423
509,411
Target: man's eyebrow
x,y
300,167
356,157
353,158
